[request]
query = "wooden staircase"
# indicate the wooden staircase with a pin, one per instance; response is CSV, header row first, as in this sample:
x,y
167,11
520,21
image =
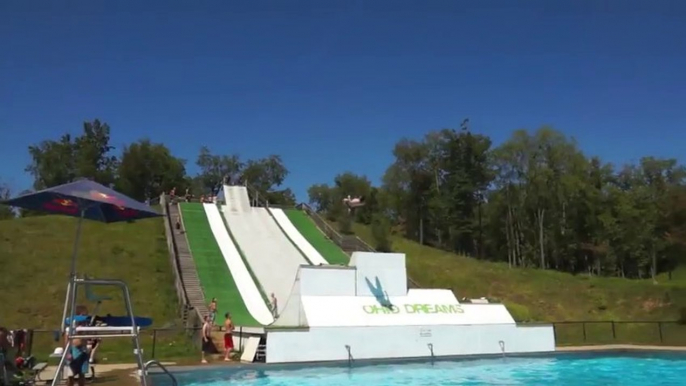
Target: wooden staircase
x,y
189,275
348,243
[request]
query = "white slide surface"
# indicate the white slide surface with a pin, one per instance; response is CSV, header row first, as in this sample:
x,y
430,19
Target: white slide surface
x,y
272,257
241,276
285,223
250,349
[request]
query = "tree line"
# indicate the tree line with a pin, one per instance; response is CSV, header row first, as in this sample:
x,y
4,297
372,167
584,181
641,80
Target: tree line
x,y
535,200
144,169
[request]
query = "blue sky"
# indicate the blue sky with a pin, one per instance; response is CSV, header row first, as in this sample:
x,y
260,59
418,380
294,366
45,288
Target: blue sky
x,y
332,85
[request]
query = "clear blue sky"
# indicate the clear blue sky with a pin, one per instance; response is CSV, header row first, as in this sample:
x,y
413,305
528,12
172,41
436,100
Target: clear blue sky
x,y
332,85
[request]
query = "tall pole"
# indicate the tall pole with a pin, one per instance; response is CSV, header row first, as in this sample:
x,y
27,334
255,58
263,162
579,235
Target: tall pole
x,y
72,270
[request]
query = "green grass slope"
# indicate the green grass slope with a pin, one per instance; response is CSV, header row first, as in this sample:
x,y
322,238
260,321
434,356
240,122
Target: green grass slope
x,y
550,296
214,274
308,229
35,256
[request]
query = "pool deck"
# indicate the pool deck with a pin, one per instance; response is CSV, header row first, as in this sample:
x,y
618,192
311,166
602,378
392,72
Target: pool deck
x,y
124,374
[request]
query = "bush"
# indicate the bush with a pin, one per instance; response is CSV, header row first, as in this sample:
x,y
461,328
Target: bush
x,y
345,224
682,315
519,312
381,232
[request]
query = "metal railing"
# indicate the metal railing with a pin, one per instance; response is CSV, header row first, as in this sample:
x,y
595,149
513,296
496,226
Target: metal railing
x,y
348,242
178,343
157,363
174,255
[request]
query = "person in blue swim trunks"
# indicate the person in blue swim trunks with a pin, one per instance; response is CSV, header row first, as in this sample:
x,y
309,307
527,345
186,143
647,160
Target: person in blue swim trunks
x,y
77,363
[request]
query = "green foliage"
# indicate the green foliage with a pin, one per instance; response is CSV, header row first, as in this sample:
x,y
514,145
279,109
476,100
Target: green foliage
x,y
345,223
215,168
534,201
682,315
5,211
519,312
381,231
85,156
147,169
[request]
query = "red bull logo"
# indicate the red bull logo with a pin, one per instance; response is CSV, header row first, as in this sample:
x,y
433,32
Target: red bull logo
x,y
126,212
62,205
117,204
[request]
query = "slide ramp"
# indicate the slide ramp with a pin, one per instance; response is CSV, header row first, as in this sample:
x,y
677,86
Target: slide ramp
x,y
215,278
303,245
237,199
247,288
316,238
272,257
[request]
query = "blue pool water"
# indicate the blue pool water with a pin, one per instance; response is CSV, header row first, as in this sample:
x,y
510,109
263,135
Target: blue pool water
x,y
564,370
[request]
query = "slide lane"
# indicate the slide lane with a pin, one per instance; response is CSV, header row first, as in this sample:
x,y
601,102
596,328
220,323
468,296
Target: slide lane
x,y
303,245
272,257
316,238
215,279
241,276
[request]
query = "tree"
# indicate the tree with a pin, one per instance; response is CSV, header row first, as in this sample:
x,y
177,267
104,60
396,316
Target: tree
x,y
6,212
381,232
320,197
147,169
264,176
329,199
215,168
56,162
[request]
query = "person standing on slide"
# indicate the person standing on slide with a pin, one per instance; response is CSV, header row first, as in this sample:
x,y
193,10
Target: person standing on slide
x,y
228,337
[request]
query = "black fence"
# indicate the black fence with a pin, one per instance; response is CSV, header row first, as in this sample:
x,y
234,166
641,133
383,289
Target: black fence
x,y
184,343
670,333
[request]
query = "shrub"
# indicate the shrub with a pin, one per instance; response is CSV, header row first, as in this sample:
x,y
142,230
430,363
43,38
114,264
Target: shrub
x,y
381,232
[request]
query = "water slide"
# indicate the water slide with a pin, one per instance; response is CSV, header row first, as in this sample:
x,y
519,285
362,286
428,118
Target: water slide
x,y
215,278
303,245
252,298
316,238
272,257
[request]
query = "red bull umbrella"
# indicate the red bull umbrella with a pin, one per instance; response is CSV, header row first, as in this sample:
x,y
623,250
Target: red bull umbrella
x,y
84,199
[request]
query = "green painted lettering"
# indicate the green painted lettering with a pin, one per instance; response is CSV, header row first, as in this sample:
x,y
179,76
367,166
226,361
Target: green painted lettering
x,y
418,308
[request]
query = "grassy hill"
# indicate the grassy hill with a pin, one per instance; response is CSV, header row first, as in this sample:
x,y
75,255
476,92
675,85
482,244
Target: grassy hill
x,y
550,296
34,267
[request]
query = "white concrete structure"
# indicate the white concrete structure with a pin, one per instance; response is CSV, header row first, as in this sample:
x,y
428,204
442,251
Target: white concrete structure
x,y
272,257
303,245
241,276
365,311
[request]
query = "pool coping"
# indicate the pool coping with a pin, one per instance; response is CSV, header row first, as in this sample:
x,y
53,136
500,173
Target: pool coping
x,y
560,351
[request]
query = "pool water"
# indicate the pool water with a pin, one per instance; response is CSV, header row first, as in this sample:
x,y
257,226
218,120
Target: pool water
x,y
564,370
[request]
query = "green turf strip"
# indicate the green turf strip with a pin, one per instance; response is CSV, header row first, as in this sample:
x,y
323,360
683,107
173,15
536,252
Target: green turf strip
x,y
327,248
215,277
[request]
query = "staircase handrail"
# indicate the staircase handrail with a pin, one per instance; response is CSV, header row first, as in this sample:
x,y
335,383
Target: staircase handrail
x,y
174,253
328,229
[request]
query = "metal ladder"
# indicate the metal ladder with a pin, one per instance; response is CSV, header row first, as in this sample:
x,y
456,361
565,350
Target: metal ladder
x,y
157,363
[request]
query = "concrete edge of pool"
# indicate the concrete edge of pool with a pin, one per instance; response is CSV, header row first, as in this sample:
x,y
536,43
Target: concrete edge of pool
x,y
561,351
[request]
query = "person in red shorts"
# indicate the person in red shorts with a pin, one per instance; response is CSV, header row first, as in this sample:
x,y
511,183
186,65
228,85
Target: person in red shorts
x,y
228,338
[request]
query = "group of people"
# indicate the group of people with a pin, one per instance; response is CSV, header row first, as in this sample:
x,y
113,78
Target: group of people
x,y
228,327
207,328
188,197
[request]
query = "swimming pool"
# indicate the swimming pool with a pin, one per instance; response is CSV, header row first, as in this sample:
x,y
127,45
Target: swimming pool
x,y
659,369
